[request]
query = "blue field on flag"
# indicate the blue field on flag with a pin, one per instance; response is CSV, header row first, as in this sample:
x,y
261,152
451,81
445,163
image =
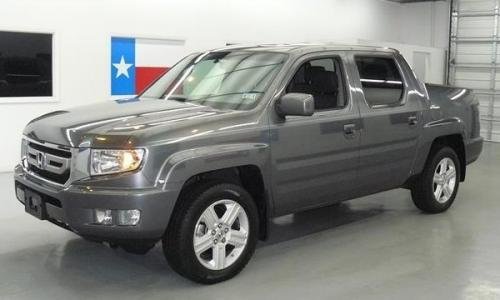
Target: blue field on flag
x,y
122,66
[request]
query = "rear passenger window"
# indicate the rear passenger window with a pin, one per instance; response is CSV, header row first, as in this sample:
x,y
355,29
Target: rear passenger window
x,y
322,78
381,80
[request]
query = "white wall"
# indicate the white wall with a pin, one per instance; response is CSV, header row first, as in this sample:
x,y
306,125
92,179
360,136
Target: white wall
x,y
435,66
83,28
425,23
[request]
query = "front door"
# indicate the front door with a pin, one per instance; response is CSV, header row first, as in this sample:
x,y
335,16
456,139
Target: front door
x,y
315,159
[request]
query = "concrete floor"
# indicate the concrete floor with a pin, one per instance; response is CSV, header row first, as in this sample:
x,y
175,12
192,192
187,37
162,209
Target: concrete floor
x,y
377,247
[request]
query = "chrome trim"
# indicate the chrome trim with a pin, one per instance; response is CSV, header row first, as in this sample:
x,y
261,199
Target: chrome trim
x,y
43,161
66,162
28,172
48,144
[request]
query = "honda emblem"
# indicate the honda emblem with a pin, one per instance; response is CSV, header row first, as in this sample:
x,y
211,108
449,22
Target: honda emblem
x,y
40,159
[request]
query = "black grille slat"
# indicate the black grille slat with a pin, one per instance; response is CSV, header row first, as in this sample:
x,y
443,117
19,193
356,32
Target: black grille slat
x,y
57,152
56,164
52,201
61,179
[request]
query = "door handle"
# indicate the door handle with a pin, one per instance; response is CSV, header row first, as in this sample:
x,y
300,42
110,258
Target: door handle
x,y
349,129
412,120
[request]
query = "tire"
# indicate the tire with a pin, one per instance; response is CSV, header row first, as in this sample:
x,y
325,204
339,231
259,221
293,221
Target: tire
x,y
425,189
189,227
135,248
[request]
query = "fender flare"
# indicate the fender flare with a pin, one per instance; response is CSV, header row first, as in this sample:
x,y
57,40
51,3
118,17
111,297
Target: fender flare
x,y
182,165
432,131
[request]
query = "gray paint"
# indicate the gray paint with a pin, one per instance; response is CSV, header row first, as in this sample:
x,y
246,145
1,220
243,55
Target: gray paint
x,y
305,161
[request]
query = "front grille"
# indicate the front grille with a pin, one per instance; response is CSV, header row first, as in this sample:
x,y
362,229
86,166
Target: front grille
x,y
59,178
51,163
58,152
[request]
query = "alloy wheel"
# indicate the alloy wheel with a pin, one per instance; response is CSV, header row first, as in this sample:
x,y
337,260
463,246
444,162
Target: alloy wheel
x,y
221,234
445,176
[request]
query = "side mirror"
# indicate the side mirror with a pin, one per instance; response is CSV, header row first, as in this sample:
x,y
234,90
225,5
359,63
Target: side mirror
x,y
295,104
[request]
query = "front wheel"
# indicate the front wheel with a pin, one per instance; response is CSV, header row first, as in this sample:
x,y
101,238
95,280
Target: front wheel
x,y
213,233
436,188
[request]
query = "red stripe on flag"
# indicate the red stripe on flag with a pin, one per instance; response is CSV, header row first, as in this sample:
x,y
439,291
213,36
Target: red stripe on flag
x,y
144,76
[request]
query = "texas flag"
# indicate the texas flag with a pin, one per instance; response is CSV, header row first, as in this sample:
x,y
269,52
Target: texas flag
x,y
135,63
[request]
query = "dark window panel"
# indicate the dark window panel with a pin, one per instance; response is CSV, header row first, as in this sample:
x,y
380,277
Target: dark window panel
x,y
25,64
323,79
381,80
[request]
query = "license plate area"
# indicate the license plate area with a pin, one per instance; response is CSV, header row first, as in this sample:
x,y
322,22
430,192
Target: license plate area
x,y
34,204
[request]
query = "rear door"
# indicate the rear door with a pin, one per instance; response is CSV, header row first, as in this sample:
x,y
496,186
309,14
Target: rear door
x,y
391,113
315,158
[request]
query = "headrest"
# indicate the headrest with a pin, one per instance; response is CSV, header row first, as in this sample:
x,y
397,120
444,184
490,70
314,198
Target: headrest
x,y
311,71
324,81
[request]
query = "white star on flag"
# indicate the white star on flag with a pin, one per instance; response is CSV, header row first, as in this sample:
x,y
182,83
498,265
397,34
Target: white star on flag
x,y
122,68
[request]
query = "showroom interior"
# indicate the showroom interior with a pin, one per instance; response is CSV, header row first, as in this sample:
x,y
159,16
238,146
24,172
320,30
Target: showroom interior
x,y
56,55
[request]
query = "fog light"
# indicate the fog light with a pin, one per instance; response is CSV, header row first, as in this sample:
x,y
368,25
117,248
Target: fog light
x,y
128,217
103,216
20,194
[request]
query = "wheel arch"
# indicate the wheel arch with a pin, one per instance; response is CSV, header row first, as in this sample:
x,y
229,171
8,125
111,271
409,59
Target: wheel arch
x,y
249,177
243,164
454,141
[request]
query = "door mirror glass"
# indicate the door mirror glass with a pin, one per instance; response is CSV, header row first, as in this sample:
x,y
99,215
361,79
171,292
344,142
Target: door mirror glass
x,y
295,104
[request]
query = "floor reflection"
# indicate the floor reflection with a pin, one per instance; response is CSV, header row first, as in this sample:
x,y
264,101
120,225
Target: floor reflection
x,y
92,264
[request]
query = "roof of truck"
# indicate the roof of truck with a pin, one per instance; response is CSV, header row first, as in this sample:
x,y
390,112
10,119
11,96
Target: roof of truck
x,y
306,48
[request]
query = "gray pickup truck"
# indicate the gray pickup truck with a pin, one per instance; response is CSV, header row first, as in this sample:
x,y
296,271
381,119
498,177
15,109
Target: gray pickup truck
x,y
230,138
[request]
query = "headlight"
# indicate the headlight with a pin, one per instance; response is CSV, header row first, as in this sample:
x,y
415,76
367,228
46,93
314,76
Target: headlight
x,y
115,161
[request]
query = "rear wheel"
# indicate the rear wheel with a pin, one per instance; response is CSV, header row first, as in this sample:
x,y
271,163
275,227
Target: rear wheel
x,y
213,233
436,188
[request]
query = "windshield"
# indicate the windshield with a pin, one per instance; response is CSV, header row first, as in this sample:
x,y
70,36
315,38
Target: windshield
x,y
224,79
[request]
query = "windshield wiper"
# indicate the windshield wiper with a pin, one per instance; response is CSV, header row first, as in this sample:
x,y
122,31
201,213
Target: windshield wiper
x,y
225,94
177,98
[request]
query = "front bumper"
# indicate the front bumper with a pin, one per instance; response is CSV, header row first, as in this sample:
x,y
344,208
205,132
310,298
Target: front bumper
x,y
72,207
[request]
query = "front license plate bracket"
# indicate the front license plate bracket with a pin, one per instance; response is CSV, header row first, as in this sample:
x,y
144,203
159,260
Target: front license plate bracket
x,y
34,205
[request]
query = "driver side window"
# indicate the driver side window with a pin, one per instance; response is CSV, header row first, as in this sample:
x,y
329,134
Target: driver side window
x,y
322,78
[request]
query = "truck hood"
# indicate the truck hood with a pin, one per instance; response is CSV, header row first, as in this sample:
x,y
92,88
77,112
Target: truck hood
x,y
118,123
